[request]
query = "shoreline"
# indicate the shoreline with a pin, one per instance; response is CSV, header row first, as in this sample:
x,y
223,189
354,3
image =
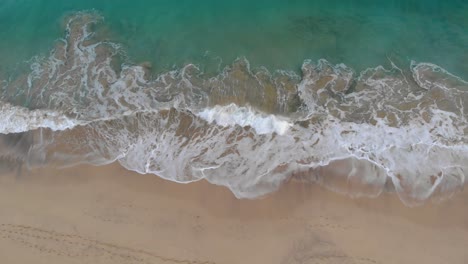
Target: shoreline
x,y
110,215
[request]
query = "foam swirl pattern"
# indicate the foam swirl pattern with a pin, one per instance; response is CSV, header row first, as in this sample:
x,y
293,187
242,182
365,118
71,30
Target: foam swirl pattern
x,y
247,129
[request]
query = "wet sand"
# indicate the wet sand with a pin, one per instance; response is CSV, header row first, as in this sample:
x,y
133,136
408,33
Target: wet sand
x,y
106,214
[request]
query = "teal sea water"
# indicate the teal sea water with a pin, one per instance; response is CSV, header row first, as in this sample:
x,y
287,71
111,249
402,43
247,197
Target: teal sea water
x,y
273,33
361,97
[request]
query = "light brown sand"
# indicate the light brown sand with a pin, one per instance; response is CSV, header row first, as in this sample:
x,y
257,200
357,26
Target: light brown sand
x,y
109,215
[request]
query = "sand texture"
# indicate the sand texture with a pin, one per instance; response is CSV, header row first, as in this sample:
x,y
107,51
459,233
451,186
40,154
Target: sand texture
x,y
109,215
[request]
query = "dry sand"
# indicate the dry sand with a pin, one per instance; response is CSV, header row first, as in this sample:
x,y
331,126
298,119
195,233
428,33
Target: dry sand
x,y
109,215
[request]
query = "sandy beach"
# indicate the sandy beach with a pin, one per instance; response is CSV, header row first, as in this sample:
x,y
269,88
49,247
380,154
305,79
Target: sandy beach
x,y
107,214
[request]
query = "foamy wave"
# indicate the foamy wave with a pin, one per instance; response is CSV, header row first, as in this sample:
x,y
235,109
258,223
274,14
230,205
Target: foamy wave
x,y
232,115
15,119
182,147
247,129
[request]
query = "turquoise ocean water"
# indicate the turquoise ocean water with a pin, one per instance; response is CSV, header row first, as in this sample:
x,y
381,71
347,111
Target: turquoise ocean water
x,y
359,96
274,33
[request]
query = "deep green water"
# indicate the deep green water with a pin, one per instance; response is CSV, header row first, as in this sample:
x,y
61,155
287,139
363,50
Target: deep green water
x,y
273,33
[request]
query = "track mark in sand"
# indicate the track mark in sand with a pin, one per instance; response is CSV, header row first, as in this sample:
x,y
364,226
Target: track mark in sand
x,y
359,260
81,248
328,226
117,213
320,222
318,249
112,217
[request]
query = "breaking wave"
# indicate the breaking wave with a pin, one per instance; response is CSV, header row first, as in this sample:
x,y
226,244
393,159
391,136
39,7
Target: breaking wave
x,y
247,129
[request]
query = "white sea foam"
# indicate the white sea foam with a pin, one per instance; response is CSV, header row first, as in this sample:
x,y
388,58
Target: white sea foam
x,y
251,129
15,119
253,164
232,115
